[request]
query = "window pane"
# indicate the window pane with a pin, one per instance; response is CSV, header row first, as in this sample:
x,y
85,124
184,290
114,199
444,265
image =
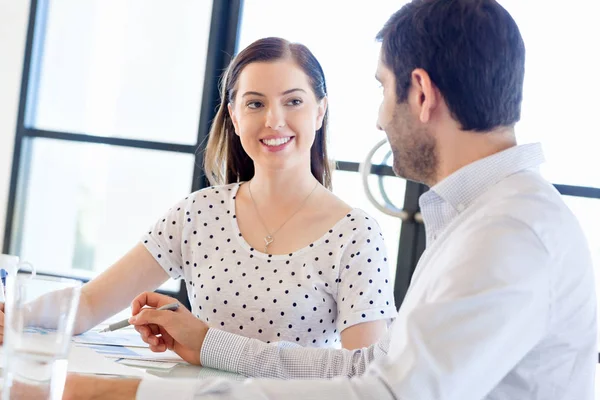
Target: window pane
x,y
124,68
346,49
588,213
348,54
348,186
88,204
560,101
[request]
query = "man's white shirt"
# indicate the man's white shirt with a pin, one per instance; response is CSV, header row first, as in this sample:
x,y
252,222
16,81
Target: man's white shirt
x,y
501,306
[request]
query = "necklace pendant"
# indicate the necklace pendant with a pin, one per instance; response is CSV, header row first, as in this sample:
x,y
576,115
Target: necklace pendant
x,y
268,241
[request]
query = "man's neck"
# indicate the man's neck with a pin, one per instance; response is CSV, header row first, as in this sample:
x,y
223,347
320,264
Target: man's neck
x,y
463,148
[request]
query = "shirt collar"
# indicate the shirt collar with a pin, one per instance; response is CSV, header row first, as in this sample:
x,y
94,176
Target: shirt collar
x,y
448,198
462,187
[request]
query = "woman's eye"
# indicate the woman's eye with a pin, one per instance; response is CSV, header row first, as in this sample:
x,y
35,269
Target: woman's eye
x,y
295,102
254,104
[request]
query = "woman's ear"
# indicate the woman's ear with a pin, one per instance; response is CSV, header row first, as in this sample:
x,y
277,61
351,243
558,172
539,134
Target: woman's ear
x,y
233,118
321,112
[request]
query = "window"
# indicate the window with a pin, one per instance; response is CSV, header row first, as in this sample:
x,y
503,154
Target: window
x,y
561,79
132,69
88,204
109,128
118,96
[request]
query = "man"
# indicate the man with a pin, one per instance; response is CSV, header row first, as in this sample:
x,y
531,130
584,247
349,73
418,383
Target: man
x,y
502,303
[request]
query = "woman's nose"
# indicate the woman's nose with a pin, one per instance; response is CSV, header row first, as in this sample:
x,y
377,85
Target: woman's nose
x,y
275,118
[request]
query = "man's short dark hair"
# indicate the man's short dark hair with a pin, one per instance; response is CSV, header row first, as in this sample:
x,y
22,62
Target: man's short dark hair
x,y
472,50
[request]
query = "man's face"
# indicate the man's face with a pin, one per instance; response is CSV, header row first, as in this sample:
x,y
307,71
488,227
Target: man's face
x,y
413,146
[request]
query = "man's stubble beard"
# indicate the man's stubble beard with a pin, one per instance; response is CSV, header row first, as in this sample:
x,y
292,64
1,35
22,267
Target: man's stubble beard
x,y
413,146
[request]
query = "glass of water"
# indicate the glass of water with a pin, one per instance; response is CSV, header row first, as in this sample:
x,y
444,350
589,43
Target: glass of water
x,y
39,320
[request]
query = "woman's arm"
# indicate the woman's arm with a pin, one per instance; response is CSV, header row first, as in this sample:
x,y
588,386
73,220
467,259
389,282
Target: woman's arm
x,y
115,288
104,296
363,335
365,297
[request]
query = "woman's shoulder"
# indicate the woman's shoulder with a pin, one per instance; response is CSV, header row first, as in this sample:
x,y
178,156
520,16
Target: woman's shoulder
x,y
219,192
212,197
359,219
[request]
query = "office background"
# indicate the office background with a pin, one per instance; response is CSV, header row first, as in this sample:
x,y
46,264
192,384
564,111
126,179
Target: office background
x,y
103,105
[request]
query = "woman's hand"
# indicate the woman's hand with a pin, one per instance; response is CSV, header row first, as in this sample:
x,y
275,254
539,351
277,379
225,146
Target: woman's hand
x,y
1,322
178,330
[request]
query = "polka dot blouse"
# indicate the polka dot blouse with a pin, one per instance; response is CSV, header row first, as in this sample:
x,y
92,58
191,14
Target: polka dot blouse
x,y
306,297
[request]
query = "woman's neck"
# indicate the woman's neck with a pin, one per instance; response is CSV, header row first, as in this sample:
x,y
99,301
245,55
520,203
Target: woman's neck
x,y
281,186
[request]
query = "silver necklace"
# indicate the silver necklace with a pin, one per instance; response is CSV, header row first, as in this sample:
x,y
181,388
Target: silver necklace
x,y
270,236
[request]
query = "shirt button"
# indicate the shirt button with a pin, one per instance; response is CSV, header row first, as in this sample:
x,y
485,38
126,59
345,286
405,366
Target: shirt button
x,y
460,207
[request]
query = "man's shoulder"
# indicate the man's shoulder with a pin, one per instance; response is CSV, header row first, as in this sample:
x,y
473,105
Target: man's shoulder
x,y
529,199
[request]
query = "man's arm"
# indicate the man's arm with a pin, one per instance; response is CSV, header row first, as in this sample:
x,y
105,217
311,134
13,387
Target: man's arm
x,y
85,387
253,358
358,388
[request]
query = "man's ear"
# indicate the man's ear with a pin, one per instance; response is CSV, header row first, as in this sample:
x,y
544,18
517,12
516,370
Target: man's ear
x,y
424,95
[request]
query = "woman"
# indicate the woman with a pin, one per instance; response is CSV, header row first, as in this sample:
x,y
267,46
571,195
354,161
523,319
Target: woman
x,y
268,252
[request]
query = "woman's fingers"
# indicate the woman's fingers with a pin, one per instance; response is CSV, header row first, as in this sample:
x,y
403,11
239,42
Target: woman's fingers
x,y
150,299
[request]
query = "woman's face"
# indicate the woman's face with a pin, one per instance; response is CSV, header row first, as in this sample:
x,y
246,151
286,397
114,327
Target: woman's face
x,y
276,114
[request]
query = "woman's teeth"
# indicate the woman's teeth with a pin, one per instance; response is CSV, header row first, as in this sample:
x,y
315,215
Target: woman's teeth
x,y
276,141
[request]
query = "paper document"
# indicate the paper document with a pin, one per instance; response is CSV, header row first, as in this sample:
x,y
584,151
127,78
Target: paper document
x,y
147,364
112,351
133,353
84,360
122,337
149,355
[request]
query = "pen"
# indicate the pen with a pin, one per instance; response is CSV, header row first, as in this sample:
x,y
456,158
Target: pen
x,y
3,274
125,322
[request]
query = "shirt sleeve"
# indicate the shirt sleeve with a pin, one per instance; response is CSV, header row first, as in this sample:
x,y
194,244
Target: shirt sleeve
x,y
223,389
163,240
489,307
364,290
253,358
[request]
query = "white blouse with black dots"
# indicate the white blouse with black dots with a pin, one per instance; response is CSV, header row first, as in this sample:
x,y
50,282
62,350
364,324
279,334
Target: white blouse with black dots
x,y
307,297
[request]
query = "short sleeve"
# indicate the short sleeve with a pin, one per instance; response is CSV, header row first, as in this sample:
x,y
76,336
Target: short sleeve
x,y
364,290
163,240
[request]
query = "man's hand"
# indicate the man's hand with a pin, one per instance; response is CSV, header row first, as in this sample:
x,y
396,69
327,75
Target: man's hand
x,y
178,330
82,387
